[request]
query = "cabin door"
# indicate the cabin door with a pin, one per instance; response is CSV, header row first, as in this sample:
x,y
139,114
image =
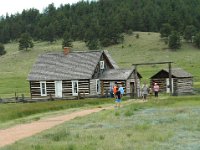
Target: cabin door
x,y
132,86
167,85
58,89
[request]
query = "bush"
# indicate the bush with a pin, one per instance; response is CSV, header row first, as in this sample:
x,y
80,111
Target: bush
x,y
2,49
197,40
137,36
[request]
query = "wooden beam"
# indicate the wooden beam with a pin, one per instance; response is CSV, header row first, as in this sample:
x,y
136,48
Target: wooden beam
x,y
170,78
135,83
164,62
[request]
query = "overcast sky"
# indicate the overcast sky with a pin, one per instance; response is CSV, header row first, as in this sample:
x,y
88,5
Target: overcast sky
x,y
14,6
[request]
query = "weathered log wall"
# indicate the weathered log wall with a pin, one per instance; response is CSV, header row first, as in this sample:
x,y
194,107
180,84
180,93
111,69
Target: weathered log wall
x,y
184,86
181,86
83,88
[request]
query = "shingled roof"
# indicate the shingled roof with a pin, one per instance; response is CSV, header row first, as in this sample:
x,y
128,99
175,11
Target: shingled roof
x,y
176,72
75,65
117,74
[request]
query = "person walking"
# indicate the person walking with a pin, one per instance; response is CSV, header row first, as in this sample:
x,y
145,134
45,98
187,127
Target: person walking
x,y
118,98
121,89
115,89
145,91
156,89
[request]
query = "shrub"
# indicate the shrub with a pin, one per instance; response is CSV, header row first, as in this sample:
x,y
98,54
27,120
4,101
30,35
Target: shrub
x,y
2,49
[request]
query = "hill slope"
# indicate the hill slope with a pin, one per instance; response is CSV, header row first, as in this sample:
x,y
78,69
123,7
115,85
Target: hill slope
x,y
15,65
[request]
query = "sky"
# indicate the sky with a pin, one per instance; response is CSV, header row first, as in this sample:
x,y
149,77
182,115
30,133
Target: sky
x,y
14,6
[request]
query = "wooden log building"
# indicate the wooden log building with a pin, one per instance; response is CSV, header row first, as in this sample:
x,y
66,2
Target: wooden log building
x,y
121,77
182,81
69,73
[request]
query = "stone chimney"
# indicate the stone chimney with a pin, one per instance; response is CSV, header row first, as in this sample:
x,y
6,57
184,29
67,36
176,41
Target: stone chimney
x,y
66,50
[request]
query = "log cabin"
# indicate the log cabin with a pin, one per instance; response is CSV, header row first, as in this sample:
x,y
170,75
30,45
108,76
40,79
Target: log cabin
x,y
182,81
70,73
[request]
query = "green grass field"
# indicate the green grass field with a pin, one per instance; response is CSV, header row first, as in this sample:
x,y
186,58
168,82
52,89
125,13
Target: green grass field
x,y
15,65
172,123
15,113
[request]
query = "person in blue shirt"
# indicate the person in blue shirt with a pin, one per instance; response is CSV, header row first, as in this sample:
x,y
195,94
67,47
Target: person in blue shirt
x,y
118,98
121,89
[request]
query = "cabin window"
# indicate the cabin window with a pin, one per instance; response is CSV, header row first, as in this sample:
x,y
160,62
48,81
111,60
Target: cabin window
x,y
101,64
43,89
98,86
74,88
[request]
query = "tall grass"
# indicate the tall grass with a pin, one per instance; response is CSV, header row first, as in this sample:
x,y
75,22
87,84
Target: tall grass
x,y
19,110
137,126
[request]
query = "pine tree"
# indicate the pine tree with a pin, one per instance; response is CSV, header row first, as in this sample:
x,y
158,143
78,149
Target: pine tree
x,y
190,31
25,42
197,40
93,44
174,40
67,41
165,30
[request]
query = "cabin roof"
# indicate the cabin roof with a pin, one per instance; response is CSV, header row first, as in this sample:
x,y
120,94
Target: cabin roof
x,y
75,65
117,74
176,73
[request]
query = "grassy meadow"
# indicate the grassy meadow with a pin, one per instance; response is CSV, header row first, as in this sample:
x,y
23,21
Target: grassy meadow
x,y
15,65
170,124
16,113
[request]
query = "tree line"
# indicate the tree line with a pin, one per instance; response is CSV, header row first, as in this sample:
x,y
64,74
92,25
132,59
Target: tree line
x,y
101,23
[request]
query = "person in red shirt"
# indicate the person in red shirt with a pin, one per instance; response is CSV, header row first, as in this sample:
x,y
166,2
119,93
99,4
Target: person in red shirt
x,y
115,89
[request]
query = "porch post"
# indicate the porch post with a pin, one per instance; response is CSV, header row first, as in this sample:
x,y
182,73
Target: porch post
x,y
135,83
170,78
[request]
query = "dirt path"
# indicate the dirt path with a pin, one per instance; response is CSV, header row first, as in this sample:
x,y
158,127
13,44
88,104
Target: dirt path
x,y
18,132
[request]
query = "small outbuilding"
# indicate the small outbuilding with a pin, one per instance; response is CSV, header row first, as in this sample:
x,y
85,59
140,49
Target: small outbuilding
x,y
182,81
121,77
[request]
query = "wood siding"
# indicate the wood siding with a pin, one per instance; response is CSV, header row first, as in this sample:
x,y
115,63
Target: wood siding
x,y
128,88
181,86
35,89
105,86
93,87
161,82
184,86
83,87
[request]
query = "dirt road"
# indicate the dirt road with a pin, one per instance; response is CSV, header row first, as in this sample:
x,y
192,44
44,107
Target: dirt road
x,y
18,132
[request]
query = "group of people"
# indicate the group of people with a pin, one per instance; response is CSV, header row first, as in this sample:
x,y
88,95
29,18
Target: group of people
x,y
149,91
117,92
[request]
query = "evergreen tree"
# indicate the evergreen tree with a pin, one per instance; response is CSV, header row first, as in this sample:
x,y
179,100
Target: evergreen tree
x,y
2,49
190,31
67,41
197,40
93,44
107,18
174,40
165,30
49,33
25,41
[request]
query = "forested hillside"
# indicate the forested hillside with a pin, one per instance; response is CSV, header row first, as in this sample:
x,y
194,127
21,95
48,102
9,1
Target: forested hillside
x,y
101,21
